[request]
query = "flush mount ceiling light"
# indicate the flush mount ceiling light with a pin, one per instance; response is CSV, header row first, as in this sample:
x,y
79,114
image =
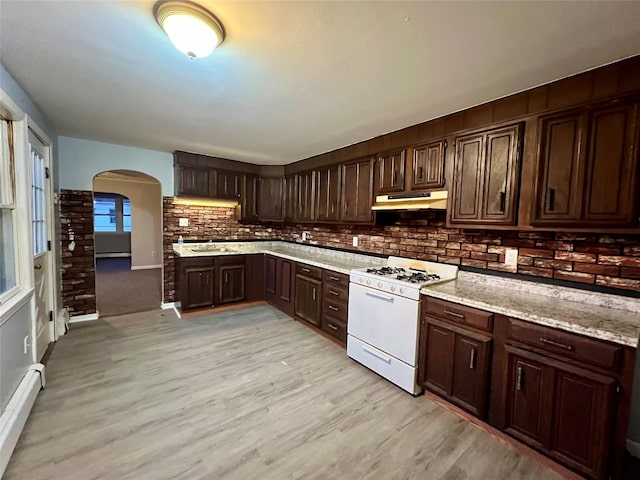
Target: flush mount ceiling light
x,y
192,29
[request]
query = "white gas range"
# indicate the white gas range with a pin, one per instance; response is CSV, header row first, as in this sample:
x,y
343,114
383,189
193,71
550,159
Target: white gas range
x,y
384,316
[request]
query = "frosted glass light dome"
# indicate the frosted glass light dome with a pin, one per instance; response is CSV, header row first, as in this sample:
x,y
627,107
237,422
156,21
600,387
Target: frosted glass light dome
x,y
194,31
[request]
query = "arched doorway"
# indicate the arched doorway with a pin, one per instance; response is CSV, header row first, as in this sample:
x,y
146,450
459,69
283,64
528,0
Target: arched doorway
x,y
127,241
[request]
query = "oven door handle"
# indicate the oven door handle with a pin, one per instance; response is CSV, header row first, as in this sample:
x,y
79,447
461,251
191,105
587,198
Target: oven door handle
x,y
379,297
384,358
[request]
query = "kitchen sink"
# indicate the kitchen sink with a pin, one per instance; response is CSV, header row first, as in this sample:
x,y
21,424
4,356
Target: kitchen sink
x,y
209,248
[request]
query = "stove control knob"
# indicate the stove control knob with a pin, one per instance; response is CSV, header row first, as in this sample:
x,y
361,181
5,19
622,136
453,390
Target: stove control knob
x,y
393,289
361,280
379,284
368,282
401,291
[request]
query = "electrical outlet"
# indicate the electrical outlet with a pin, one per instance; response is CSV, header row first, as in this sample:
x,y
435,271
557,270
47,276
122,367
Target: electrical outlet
x,y
355,241
304,236
26,344
183,222
511,257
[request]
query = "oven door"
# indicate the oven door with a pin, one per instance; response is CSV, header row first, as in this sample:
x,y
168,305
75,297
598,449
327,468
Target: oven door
x,y
385,321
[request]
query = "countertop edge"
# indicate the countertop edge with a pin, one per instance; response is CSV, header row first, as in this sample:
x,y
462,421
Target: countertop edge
x,y
529,317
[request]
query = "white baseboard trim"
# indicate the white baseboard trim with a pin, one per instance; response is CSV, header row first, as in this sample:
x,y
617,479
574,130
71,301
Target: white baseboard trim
x,y
633,448
15,415
85,318
171,305
145,267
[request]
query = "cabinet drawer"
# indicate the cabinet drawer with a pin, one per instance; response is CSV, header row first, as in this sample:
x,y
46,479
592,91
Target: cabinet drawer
x,y
338,310
593,352
196,261
459,313
335,278
231,260
336,293
335,328
309,271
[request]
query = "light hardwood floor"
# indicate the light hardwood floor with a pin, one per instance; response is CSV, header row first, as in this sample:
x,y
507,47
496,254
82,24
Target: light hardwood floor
x,y
245,394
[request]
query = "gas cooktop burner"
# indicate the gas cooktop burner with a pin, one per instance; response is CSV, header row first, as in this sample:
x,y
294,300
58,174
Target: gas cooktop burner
x,y
386,270
418,277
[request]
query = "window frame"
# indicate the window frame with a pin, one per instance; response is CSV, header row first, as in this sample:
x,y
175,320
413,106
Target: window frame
x,y
119,212
8,199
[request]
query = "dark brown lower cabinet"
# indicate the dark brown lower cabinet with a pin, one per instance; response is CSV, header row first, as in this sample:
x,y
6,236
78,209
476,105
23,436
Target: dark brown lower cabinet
x,y
198,286
231,283
561,409
308,299
456,364
279,278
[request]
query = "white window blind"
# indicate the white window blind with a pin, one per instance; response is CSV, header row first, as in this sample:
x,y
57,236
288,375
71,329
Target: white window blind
x,y
7,209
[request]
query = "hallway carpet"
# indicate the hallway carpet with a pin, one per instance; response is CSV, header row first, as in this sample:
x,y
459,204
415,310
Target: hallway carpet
x,y
120,290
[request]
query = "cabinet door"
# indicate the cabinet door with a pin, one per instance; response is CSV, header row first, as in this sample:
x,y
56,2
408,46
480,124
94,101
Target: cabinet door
x,y
390,172
193,180
427,170
198,287
560,168
583,412
285,280
249,203
471,373
290,197
529,399
308,304
611,190
227,185
304,211
270,275
328,194
486,174
231,283
438,368
357,192
467,188
270,196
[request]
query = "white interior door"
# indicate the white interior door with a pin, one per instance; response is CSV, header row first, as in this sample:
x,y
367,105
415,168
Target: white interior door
x,y
42,261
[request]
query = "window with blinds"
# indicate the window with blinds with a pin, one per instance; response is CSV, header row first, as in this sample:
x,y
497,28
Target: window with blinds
x,y
7,209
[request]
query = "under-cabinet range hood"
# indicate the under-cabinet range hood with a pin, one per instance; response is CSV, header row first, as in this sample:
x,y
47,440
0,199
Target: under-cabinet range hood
x,y
412,201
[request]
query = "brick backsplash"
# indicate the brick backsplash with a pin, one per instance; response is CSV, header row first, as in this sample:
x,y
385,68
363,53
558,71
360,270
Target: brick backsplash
x,y
77,265
595,259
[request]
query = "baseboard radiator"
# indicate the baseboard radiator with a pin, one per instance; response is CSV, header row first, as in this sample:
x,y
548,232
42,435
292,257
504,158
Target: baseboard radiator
x,y
15,416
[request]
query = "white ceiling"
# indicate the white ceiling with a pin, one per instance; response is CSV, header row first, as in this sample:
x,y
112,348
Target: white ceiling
x,y
294,79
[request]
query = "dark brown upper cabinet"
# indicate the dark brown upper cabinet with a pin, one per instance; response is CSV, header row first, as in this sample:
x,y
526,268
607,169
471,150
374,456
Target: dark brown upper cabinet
x,y
390,172
227,184
357,191
249,197
270,196
327,197
192,180
290,197
587,172
304,211
486,177
427,167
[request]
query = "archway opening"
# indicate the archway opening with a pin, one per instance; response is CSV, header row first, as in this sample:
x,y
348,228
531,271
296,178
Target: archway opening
x,y
127,242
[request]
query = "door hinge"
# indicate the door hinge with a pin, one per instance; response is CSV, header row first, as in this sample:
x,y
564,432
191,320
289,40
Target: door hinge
x,y
46,172
51,315
49,245
618,388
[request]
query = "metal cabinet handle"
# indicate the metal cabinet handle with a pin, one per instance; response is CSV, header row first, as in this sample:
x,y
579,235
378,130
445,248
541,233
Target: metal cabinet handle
x,y
331,326
331,307
314,293
519,379
226,277
306,270
335,279
454,314
472,360
556,344
334,293
552,199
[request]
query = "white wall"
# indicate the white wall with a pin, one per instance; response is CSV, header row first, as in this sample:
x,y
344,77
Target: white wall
x,y
146,217
81,160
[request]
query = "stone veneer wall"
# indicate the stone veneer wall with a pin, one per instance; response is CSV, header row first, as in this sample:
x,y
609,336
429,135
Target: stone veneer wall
x,y
78,267
604,260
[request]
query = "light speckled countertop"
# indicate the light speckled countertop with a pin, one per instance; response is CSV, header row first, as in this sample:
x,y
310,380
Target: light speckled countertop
x,y
337,261
597,315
